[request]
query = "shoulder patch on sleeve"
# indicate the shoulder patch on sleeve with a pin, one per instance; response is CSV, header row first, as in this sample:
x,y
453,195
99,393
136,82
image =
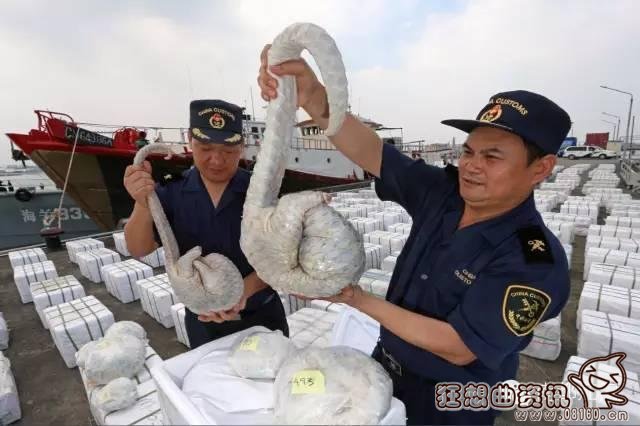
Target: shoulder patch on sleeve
x,y
535,246
523,307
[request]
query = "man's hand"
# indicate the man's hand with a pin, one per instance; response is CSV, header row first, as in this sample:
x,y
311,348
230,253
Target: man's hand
x,y
222,316
311,93
138,182
350,295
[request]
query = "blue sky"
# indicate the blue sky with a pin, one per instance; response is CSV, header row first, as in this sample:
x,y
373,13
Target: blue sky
x,y
410,63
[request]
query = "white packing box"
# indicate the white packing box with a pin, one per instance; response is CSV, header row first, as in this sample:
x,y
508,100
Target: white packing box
x,y
625,212
311,327
178,408
25,275
610,299
9,400
546,342
120,278
595,400
324,305
121,244
366,208
146,410
157,298
78,246
4,333
623,221
154,259
367,193
624,244
565,231
404,215
53,292
610,257
375,281
365,225
389,263
178,314
602,334
350,212
388,218
614,231
373,256
390,241
620,276
292,303
581,223
75,323
591,210
401,228
568,250
27,256
92,261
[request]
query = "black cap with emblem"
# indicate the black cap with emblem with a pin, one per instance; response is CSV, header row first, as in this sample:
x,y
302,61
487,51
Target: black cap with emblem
x,y
529,115
216,121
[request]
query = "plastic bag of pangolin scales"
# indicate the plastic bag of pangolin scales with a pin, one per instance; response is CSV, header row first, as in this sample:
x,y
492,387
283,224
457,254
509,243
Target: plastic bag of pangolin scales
x,y
260,355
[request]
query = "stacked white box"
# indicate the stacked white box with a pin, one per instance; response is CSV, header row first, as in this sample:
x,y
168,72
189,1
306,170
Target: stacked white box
x,y
375,281
565,231
367,208
610,257
120,278
568,250
389,263
92,261
25,275
390,241
27,256
613,243
602,334
546,341
581,223
404,215
178,314
154,259
615,275
614,231
311,327
4,333
367,193
623,221
79,246
157,298
373,256
75,323
364,225
581,209
625,212
401,228
596,400
9,399
610,299
53,292
350,212
388,218
121,244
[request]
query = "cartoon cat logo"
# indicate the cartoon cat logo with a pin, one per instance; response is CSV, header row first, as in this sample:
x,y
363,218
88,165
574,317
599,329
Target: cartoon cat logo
x,y
607,383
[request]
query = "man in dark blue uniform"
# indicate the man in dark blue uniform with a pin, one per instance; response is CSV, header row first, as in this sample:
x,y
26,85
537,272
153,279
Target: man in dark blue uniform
x,y
479,270
204,208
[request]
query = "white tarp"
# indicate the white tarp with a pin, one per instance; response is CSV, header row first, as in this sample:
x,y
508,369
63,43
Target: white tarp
x,y
78,246
121,244
92,261
611,257
619,276
157,298
603,371
53,292
178,314
76,323
120,278
27,256
602,334
25,275
311,327
610,299
9,400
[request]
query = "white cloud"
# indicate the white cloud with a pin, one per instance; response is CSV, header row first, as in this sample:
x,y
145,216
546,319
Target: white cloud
x,y
141,62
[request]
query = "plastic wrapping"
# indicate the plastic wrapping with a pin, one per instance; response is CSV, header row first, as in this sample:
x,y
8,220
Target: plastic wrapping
x,y
116,395
27,256
611,257
177,315
157,298
260,355
610,299
79,246
28,274
120,279
9,401
4,333
337,385
92,261
53,292
121,244
119,355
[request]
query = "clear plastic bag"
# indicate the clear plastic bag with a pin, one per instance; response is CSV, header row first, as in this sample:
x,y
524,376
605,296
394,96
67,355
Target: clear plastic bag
x,y
260,355
336,385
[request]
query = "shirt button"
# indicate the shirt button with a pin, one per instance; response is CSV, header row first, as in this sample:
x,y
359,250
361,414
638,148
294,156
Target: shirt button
x,y
424,276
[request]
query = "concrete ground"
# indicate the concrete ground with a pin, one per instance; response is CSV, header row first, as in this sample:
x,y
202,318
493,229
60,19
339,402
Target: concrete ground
x,y
52,394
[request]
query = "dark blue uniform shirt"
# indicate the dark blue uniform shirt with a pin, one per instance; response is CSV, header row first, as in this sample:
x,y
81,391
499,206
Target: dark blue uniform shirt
x,y
197,222
492,281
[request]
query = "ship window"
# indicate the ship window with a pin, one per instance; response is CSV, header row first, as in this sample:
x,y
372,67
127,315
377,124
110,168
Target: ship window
x,y
328,160
296,159
253,157
254,130
262,130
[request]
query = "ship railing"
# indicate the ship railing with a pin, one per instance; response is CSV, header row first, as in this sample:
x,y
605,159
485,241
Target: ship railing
x,y
98,236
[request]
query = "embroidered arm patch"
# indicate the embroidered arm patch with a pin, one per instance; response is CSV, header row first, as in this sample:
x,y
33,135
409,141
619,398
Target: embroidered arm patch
x,y
523,307
535,246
